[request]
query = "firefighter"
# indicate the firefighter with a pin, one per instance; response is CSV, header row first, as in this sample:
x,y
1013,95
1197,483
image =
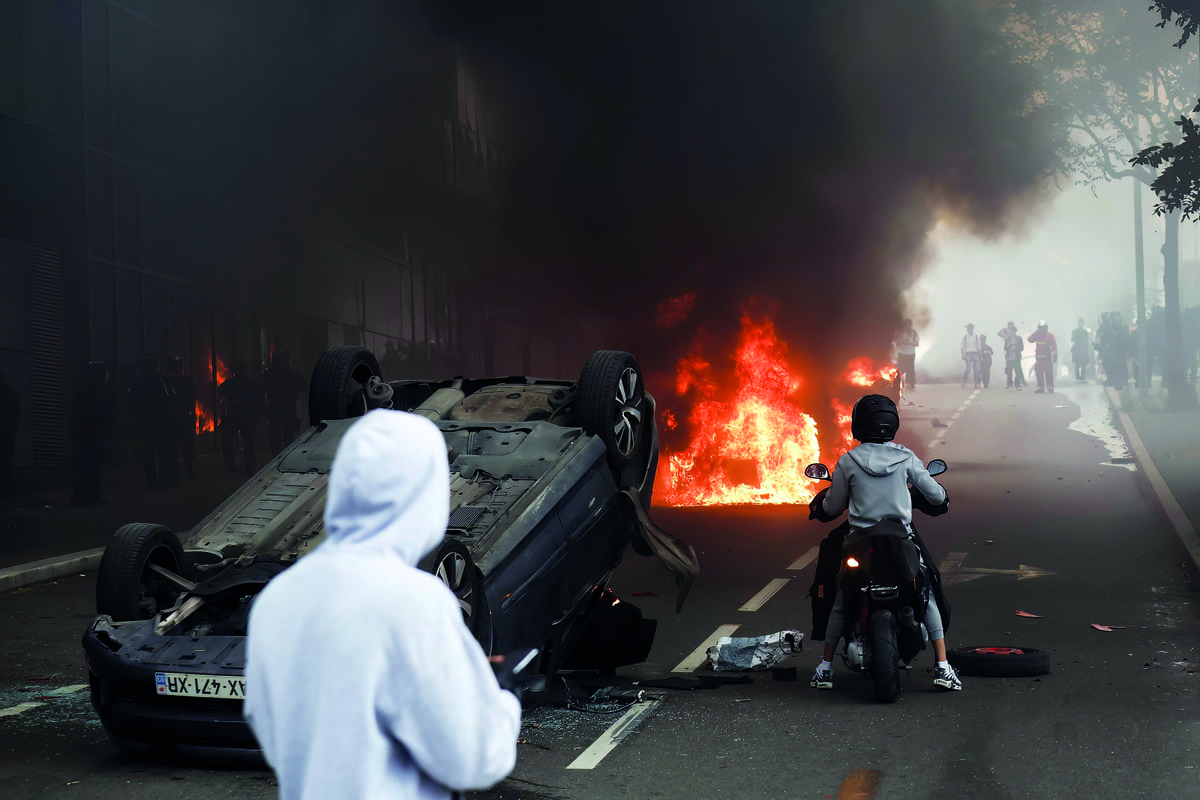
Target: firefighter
x,y
1045,357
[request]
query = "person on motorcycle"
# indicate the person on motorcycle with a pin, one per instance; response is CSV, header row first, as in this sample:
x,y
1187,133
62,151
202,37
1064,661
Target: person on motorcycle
x,y
872,482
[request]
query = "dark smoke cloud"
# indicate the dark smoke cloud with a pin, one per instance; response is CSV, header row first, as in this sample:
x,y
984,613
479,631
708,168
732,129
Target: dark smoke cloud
x,y
798,151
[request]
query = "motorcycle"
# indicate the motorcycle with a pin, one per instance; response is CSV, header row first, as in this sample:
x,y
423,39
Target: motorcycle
x,y
884,590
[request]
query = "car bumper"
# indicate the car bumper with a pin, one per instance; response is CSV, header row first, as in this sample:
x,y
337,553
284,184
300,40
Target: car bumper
x,y
137,717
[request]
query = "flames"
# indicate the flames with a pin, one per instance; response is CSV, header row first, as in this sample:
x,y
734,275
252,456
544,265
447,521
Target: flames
x,y
752,441
205,417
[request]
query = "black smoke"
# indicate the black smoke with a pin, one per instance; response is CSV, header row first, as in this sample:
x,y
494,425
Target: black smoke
x,y
793,151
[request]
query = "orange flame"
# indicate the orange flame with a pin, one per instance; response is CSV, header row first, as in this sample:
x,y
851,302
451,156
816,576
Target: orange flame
x,y
749,450
752,449
862,372
205,419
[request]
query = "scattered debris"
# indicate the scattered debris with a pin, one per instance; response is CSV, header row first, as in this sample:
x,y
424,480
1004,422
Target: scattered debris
x,y
754,652
1107,628
1027,614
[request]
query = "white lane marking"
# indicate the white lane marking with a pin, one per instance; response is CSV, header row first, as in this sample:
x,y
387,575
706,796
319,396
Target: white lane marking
x,y
614,735
700,654
1166,499
765,594
806,559
941,437
12,711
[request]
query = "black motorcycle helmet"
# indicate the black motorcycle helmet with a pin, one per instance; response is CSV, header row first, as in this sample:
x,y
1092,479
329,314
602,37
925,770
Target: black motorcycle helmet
x,y
874,419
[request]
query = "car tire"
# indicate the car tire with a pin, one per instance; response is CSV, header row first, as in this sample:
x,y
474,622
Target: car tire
x,y
339,380
453,566
999,661
611,399
126,589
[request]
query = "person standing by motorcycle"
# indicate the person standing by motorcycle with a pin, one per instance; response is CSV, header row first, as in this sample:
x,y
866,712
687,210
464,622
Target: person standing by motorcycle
x,y
871,481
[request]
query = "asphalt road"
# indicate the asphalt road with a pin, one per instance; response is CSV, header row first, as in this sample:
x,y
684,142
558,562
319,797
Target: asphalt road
x,y
1042,521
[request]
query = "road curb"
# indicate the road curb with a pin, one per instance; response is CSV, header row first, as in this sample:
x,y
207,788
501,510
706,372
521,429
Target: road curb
x,y
49,568
1170,506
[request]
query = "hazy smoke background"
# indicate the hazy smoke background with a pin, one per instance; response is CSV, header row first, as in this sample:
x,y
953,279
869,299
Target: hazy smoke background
x,y
824,155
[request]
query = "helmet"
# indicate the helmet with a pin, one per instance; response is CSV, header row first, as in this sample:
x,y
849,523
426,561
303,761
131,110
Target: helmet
x,y
874,419
1042,324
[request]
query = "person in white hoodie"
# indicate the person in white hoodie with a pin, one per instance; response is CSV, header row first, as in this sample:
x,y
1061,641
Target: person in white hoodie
x,y
362,679
872,482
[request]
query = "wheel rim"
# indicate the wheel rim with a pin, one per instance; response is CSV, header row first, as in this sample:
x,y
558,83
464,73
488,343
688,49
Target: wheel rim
x,y
454,571
356,390
628,423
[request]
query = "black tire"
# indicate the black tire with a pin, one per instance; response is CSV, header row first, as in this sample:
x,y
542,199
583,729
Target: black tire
x,y
999,661
339,381
126,588
453,566
611,402
885,657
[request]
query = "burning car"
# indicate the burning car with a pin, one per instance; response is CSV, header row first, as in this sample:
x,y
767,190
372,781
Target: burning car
x,y
550,485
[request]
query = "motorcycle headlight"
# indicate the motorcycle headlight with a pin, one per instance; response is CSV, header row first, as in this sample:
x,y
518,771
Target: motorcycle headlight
x,y
852,562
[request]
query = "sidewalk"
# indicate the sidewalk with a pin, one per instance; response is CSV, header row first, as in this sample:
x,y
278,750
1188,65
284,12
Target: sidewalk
x,y
41,537
1166,445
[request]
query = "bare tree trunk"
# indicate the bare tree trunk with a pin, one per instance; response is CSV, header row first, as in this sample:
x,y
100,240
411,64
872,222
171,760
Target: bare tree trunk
x,y
1141,367
1179,394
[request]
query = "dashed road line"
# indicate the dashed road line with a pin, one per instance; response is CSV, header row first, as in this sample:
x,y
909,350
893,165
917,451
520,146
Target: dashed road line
x,y
20,708
860,784
614,735
700,654
764,594
12,711
806,559
941,437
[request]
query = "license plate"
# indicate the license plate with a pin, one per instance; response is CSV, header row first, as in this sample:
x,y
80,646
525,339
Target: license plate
x,y
187,684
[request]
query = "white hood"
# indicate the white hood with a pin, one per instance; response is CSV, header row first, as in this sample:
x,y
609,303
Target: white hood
x,y
389,486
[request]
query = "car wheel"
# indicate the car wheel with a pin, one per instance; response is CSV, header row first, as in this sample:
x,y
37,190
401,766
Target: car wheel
x,y
339,383
453,566
126,586
999,661
611,396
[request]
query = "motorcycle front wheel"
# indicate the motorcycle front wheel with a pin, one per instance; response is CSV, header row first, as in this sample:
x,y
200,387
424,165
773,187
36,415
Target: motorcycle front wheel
x,y
885,656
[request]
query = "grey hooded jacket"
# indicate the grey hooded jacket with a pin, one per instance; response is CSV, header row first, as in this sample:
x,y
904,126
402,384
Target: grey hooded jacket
x,y
872,481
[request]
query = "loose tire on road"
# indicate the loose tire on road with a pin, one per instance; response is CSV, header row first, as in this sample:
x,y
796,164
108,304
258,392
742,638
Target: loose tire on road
x,y
126,587
999,661
611,396
339,381
885,657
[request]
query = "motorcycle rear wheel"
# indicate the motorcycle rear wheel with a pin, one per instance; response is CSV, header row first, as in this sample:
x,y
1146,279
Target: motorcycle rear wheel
x,y
885,656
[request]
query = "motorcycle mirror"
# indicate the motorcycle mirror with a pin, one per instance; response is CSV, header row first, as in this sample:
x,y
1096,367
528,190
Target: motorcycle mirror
x,y
818,472
936,467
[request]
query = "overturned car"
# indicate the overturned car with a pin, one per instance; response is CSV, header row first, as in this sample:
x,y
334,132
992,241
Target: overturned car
x,y
550,485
